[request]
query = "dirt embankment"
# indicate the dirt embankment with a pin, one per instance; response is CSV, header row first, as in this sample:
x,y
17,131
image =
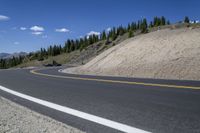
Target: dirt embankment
x,y
167,53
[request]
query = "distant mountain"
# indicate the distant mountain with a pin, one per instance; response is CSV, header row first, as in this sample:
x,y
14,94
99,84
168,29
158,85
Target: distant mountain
x,y
7,55
3,55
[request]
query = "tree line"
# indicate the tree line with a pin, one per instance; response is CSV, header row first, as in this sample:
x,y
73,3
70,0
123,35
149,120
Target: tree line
x,y
79,44
14,61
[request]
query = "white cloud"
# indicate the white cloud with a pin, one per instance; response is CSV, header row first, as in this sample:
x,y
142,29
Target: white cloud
x,y
23,28
194,21
108,29
62,30
16,43
37,28
4,18
93,33
37,33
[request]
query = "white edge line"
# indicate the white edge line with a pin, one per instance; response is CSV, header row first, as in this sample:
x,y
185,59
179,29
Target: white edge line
x,y
83,115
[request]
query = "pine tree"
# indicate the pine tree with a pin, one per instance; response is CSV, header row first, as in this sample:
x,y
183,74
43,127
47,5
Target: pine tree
x,y
72,46
163,20
168,22
113,34
155,20
133,26
120,30
129,27
144,26
186,20
50,51
68,46
103,35
151,24
130,34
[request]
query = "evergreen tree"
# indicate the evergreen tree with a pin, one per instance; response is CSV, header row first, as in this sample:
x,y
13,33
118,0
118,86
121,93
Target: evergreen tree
x,y
77,44
168,22
86,43
129,27
103,35
113,34
68,46
130,34
163,20
144,26
72,46
81,44
50,51
157,21
186,20
120,30
133,26
151,24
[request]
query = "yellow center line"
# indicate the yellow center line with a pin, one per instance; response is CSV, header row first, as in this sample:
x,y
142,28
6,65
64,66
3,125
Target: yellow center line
x,y
116,81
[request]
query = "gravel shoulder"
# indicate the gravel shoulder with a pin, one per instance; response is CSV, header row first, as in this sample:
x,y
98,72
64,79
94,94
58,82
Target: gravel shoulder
x,y
18,119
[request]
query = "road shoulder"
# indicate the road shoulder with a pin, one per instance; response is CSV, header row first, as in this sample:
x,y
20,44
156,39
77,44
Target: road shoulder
x,y
16,118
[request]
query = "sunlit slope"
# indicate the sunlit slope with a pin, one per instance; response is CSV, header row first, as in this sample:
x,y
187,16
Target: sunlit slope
x,y
167,53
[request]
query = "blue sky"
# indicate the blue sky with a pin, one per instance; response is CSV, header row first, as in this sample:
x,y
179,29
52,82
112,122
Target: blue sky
x,y
28,25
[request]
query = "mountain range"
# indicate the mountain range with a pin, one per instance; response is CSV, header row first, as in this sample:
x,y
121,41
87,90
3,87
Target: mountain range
x,y
7,55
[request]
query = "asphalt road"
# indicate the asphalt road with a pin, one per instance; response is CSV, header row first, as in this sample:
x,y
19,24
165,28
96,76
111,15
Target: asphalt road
x,y
161,106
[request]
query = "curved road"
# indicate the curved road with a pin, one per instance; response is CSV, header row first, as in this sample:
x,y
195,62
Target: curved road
x,y
133,104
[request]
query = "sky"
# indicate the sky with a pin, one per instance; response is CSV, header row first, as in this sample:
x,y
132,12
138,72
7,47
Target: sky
x,y
28,25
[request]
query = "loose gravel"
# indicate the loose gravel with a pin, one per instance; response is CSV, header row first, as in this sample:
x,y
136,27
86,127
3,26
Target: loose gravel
x,y
15,118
